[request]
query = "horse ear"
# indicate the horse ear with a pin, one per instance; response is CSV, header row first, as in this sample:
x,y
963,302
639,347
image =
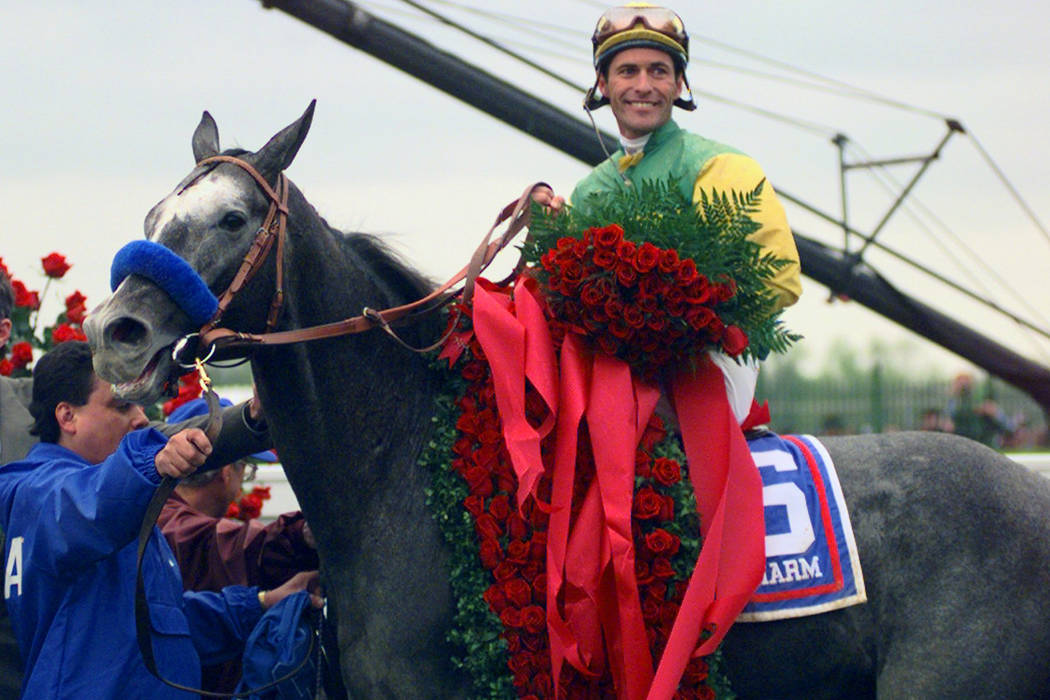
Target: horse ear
x,y
280,151
205,139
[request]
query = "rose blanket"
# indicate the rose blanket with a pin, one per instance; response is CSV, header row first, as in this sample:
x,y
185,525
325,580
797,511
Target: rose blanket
x,y
812,565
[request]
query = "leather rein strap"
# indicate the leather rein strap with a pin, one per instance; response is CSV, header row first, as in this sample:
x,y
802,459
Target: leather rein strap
x,y
275,228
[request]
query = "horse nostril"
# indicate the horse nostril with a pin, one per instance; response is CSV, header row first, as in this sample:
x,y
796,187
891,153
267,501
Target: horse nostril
x,y
126,330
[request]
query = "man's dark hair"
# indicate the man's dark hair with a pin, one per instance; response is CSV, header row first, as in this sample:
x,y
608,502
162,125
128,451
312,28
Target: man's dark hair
x,y
62,374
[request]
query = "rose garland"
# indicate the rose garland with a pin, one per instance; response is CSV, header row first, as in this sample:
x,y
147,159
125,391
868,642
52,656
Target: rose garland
x,y
499,554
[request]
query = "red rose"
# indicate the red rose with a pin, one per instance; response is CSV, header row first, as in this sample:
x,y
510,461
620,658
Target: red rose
x,y
542,685
490,553
572,274
23,297
608,237
474,370
633,316
64,332
618,328
658,589
646,504
668,612
499,507
726,290
75,299
55,265
539,588
613,308
591,296
666,472
21,354
517,592
495,597
76,314
538,547
642,464
232,511
695,671
656,322
650,610
504,571
641,573
486,526
513,641
608,344
474,504
666,508
662,542
715,329
626,275
674,301
517,552
668,261
686,273
734,340
534,619
510,617
661,568
516,526
699,316
605,258
647,257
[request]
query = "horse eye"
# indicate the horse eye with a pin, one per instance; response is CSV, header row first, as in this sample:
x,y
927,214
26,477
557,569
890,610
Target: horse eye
x,y
232,221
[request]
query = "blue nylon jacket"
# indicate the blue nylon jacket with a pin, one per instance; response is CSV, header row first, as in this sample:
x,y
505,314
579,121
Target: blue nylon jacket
x,y
69,579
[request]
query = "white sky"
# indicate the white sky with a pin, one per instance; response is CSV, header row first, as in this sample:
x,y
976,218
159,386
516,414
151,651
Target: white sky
x,y
100,101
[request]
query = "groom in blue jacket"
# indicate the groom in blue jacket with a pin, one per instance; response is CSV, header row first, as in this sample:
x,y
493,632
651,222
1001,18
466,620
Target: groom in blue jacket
x,y
71,511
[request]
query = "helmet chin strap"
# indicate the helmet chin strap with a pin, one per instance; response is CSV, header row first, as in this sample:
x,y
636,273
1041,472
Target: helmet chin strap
x,y
591,103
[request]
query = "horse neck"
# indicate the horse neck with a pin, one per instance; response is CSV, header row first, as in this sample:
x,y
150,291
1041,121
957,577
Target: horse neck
x,y
348,415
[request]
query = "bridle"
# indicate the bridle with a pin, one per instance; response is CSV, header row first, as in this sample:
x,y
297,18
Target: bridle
x,y
212,338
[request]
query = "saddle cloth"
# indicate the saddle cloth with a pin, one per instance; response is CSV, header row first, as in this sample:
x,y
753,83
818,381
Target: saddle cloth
x,y
812,565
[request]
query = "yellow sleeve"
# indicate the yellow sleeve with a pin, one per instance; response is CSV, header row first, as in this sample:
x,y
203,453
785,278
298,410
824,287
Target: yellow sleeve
x,y
733,171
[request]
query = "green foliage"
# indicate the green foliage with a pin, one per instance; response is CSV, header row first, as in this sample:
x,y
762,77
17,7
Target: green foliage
x,y
713,233
475,634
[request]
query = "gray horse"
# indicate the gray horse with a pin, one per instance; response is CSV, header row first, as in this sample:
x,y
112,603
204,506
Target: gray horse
x,y
954,539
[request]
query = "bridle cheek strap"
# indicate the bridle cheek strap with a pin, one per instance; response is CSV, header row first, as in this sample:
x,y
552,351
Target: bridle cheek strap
x,y
274,226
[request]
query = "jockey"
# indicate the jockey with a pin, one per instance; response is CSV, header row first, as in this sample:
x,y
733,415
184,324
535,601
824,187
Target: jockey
x,y
640,55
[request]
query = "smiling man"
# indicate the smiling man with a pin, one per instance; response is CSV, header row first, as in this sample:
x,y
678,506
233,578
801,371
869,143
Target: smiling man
x,y
640,56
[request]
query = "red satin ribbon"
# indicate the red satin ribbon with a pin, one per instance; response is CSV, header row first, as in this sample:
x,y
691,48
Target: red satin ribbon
x,y
728,493
517,343
593,608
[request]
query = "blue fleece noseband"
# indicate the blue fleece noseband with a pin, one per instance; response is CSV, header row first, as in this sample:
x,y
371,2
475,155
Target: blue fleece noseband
x,y
169,272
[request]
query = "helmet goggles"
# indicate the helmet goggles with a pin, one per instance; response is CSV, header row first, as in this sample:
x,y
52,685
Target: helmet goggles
x,y
637,24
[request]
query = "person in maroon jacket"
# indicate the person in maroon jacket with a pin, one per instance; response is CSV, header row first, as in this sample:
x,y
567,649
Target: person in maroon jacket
x,y
213,551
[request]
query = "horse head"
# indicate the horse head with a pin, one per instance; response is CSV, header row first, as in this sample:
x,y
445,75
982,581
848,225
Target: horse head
x,y
196,240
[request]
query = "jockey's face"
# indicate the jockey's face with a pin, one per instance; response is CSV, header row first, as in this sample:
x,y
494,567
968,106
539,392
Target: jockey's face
x,y
641,86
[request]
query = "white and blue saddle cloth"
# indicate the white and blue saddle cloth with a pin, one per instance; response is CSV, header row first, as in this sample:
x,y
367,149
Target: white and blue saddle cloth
x,y
812,564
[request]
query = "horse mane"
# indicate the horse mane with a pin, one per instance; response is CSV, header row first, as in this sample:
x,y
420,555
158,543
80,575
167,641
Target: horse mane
x,y
404,282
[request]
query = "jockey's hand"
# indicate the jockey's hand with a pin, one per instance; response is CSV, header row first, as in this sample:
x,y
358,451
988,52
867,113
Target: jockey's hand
x,y
303,581
544,196
186,450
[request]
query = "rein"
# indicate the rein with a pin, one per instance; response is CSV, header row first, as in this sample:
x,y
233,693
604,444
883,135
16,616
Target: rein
x,y
143,624
274,227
